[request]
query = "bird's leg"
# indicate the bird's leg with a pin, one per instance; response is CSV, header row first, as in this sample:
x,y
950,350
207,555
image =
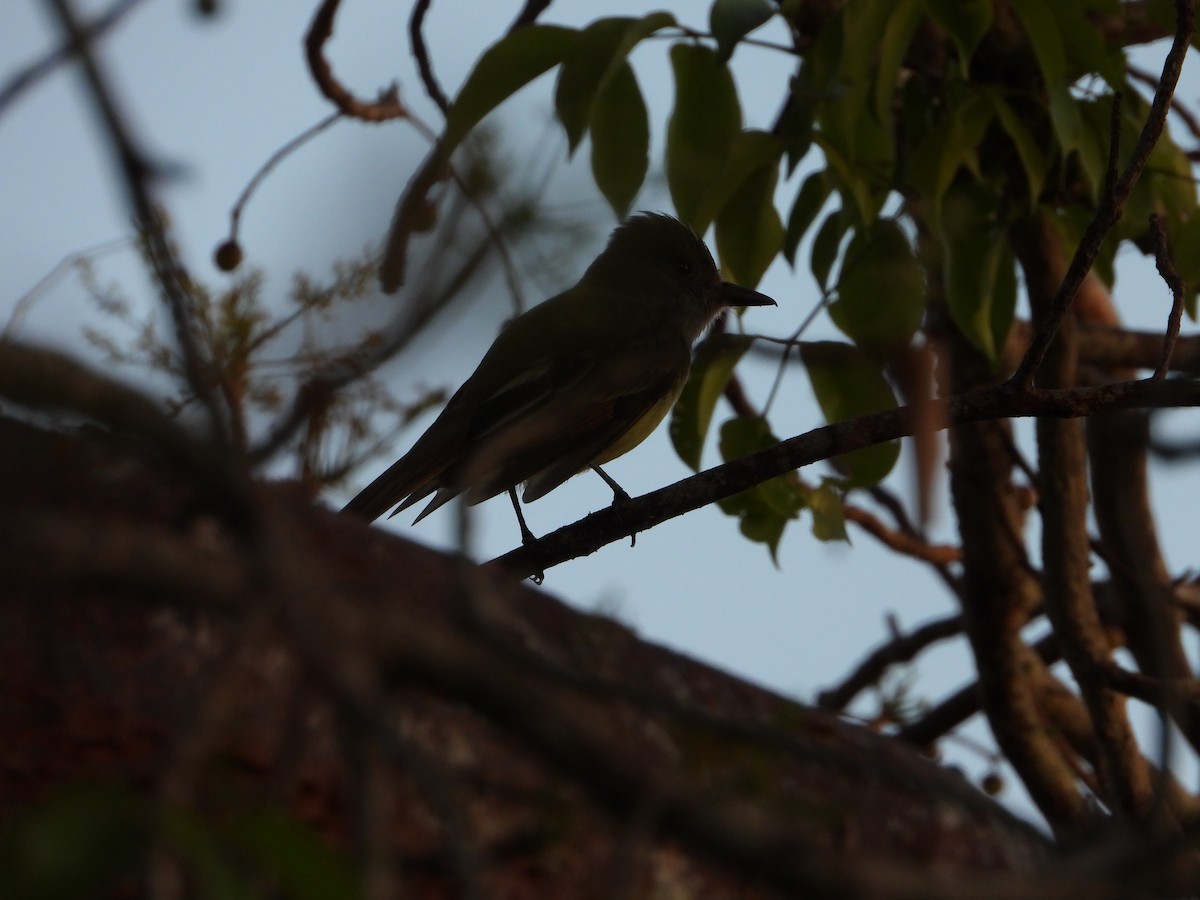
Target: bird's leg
x,y
619,496
526,535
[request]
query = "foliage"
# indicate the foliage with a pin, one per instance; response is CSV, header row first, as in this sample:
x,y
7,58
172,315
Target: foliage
x,y
938,163
920,158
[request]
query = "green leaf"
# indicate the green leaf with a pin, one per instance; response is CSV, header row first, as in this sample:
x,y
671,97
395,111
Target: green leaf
x,y
731,20
703,125
825,247
848,383
862,25
1185,253
750,151
713,363
966,21
766,508
749,230
809,199
598,52
620,140
859,197
950,145
979,270
207,859
1033,160
881,292
829,512
1042,28
858,143
795,127
502,70
897,36
1086,49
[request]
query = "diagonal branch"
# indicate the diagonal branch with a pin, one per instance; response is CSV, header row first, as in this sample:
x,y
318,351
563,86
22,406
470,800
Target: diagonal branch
x,y
1112,202
615,523
27,77
138,174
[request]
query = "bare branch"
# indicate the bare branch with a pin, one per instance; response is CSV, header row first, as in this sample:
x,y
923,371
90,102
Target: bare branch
x,y
138,175
387,107
1112,203
901,648
1166,269
421,52
1066,549
30,75
235,214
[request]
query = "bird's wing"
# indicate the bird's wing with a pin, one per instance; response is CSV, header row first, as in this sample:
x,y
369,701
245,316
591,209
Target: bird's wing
x,y
579,414
515,377
560,385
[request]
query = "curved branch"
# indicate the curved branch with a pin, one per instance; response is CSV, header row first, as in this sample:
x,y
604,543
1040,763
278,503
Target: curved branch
x,y
901,648
421,53
1112,203
387,107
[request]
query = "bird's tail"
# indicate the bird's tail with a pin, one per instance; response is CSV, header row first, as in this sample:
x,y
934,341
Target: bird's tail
x,y
412,477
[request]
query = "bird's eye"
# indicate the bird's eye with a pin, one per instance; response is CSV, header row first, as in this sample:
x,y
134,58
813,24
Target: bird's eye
x,y
683,266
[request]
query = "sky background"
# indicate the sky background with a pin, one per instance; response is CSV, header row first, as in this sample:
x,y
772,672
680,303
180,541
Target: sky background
x,y
215,97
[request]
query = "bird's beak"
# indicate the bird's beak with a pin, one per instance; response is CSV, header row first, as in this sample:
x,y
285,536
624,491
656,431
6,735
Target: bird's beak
x,y
736,295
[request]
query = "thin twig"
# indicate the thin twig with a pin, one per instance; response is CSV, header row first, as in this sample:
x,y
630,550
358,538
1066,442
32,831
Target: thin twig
x,y
414,203
421,53
528,14
1112,203
1166,270
387,107
26,78
954,710
138,174
1181,110
65,265
235,215
937,555
901,648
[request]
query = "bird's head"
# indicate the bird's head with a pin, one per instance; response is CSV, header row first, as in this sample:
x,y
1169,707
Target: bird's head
x,y
659,264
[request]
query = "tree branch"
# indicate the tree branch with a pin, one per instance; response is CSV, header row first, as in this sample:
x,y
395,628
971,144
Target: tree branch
x,y
137,175
901,648
386,108
1001,402
1112,202
421,53
1066,550
27,77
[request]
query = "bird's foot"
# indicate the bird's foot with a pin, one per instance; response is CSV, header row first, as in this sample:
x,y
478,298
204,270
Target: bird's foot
x,y
620,497
527,536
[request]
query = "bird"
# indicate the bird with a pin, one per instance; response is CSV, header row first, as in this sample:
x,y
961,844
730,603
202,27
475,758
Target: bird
x,y
573,382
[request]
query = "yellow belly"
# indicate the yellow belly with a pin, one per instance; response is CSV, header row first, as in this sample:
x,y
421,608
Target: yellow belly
x,y
641,429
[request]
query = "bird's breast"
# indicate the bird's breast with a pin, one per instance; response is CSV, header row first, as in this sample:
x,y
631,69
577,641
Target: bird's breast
x,y
643,427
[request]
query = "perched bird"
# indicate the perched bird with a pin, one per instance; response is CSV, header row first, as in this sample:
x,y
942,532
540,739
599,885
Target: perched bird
x,y
574,382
